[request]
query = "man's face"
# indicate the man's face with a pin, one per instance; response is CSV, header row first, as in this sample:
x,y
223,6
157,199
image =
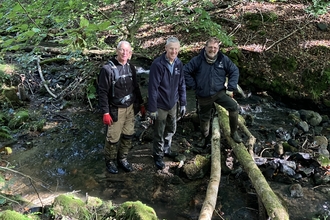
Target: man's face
x,y
124,53
212,49
172,50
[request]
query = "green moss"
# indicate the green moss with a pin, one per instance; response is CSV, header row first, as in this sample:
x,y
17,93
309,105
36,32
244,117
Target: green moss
x,y
19,118
70,206
323,160
309,79
136,211
288,148
94,202
255,20
284,63
12,215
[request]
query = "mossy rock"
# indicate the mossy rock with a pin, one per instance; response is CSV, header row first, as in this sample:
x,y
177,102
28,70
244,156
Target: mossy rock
x,y
197,168
323,160
19,118
136,211
71,207
12,215
9,95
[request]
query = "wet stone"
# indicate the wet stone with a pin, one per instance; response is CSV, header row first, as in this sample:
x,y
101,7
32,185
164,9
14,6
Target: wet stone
x,y
303,126
296,191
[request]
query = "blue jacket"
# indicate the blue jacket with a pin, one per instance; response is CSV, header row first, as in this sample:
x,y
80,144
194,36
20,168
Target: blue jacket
x,y
208,79
165,89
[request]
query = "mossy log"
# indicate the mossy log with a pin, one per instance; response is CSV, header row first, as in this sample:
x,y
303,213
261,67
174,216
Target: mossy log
x,y
271,202
213,186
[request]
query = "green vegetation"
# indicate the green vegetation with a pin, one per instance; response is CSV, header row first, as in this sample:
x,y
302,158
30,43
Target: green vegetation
x,y
255,20
318,7
12,215
284,63
136,210
71,207
86,24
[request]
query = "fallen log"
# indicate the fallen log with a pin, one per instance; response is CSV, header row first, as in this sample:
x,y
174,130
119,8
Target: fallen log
x,y
213,186
271,202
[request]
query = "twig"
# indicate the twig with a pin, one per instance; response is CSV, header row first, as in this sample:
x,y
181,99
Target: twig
x,y
42,78
235,30
285,37
9,199
302,146
27,14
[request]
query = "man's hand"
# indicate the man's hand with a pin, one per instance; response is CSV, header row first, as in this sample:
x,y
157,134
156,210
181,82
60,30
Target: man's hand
x,y
153,115
230,93
143,110
182,110
107,120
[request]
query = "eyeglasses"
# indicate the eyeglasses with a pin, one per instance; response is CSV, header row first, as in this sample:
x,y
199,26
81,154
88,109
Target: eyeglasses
x,y
123,51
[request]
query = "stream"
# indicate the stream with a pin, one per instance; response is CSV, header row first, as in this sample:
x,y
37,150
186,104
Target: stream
x,y
67,158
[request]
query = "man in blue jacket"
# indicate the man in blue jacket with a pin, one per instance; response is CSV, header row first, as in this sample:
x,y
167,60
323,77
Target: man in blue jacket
x,y
166,87
206,74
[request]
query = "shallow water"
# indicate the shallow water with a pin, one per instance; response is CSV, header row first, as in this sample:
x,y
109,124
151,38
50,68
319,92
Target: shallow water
x,y
68,157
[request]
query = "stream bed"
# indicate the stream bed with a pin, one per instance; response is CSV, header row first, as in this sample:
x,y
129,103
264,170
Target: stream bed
x,y
67,157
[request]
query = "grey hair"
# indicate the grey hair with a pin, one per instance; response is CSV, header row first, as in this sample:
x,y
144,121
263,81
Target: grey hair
x,y
172,40
123,42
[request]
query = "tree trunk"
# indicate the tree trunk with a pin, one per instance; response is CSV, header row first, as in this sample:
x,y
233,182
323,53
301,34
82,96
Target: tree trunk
x,y
212,189
273,206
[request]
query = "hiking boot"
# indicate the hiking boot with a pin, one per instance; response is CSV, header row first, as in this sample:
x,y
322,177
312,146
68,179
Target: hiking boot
x,y
123,163
171,154
233,123
111,167
159,162
236,137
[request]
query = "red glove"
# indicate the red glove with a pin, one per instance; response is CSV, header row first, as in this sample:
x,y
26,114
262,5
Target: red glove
x,y
107,120
143,110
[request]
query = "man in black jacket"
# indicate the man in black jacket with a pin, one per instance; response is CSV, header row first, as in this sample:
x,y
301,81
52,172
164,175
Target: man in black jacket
x,y
206,74
118,91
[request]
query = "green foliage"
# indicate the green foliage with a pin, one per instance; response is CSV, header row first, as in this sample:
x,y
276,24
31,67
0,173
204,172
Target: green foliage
x,y
85,24
12,215
318,7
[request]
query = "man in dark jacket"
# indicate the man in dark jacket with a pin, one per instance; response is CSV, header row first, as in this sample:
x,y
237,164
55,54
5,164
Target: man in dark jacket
x,y
118,91
206,74
166,87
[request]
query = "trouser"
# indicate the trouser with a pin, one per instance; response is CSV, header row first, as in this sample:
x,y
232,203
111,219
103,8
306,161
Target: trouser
x,y
206,106
119,136
164,129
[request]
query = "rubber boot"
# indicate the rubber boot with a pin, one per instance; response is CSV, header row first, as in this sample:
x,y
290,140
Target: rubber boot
x,y
159,162
233,123
125,146
205,129
168,152
110,154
